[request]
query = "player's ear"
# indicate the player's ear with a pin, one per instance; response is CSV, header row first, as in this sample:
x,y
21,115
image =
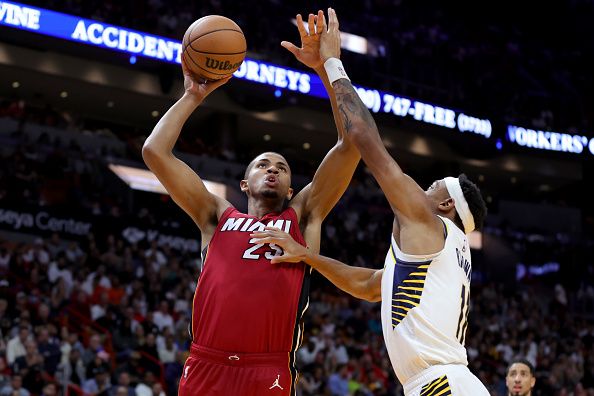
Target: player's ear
x,y
532,382
243,185
446,205
290,193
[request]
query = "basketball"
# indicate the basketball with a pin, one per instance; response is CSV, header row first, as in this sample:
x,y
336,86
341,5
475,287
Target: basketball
x,y
213,47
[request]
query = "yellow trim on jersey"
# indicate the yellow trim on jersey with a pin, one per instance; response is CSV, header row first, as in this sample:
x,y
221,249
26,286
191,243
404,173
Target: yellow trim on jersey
x,y
437,385
443,391
416,304
421,281
408,295
411,288
407,292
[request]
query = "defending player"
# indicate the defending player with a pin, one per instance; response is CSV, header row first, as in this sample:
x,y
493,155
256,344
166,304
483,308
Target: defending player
x,y
246,323
425,284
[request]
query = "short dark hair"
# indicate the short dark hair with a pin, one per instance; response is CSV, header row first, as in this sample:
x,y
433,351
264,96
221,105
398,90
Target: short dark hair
x,y
249,168
475,200
523,361
252,162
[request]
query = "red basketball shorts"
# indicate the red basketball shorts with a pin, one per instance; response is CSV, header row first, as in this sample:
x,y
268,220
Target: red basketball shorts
x,y
209,372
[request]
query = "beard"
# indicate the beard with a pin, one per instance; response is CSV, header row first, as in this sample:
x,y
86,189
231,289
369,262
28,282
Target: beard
x,y
519,393
271,194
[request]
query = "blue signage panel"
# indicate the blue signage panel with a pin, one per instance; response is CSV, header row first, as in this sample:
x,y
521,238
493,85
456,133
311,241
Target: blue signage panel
x,y
87,31
135,43
550,141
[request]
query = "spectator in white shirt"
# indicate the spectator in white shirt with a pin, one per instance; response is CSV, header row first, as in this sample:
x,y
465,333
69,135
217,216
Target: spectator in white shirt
x,y
100,309
74,253
16,346
307,354
5,257
103,280
167,349
162,318
58,269
155,257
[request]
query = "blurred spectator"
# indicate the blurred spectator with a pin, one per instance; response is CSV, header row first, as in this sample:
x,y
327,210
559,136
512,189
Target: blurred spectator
x,y
50,389
16,346
123,387
161,318
99,381
15,388
73,369
520,378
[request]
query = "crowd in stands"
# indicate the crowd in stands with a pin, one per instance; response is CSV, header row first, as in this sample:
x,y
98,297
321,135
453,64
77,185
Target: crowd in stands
x,y
528,66
110,317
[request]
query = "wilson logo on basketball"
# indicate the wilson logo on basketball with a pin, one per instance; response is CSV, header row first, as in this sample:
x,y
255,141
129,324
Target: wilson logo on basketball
x,y
220,65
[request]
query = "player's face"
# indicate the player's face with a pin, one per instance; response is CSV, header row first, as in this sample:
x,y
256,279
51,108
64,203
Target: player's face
x,y
269,177
519,380
434,188
437,192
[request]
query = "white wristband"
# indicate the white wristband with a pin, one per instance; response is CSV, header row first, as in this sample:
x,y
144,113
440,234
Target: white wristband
x,y
335,70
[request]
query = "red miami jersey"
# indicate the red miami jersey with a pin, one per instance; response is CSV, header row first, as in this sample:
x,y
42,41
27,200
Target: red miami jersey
x,y
243,303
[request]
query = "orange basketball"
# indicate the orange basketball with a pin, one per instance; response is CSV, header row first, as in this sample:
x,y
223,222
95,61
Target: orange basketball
x,y
213,47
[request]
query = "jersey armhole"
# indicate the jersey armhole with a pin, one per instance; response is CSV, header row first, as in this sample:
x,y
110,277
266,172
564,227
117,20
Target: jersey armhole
x,y
204,251
298,228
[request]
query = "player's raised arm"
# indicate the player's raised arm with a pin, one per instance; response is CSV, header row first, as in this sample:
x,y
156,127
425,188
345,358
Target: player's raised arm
x,y
183,184
403,193
363,283
332,178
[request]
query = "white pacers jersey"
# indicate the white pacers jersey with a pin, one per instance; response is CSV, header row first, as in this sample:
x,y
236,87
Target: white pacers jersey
x,y
425,305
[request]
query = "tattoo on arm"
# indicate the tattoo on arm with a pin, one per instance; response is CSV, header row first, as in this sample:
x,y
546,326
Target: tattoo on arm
x,y
350,105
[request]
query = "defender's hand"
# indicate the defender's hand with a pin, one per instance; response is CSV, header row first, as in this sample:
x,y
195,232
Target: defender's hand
x,y
293,252
309,53
330,39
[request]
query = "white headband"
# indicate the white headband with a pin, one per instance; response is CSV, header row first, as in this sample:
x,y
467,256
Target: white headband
x,y
453,186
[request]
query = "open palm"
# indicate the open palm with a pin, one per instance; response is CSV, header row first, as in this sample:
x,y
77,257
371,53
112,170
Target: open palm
x,y
309,53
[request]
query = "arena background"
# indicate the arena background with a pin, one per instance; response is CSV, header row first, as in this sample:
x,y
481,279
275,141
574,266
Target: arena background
x,y
98,266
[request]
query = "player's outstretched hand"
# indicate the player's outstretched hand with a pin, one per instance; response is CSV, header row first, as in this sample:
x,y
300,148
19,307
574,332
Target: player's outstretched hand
x,y
293,252
330,39
200,89
309,53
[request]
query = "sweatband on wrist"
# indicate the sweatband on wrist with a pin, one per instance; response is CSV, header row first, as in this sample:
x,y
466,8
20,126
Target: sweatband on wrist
x,y
335,70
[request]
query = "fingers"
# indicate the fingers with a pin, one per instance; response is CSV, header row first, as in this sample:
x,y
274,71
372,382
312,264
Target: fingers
x,y
291,47
321,23
183,64
270,235
311,24
285,258
332,19
265,239
278,259
300,26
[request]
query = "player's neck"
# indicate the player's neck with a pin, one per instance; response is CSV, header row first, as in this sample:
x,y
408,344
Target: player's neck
x,y
262,207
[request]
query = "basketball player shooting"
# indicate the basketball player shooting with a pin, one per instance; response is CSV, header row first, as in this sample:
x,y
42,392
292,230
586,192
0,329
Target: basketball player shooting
x,y
246,316
425,284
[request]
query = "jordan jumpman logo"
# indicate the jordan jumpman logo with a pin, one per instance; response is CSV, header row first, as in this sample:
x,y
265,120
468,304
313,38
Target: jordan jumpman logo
x,y
276,383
